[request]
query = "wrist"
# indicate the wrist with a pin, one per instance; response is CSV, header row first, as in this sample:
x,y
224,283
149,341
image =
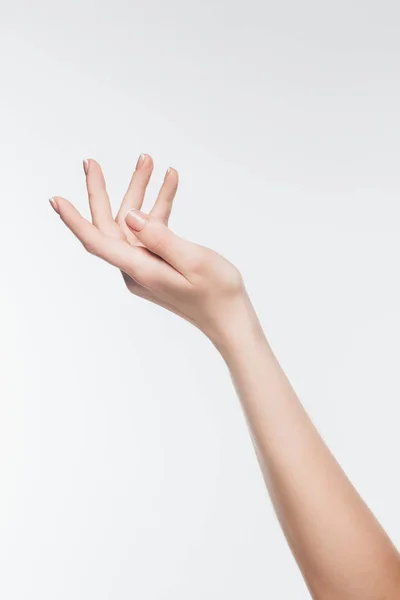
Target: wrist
x,y
236,329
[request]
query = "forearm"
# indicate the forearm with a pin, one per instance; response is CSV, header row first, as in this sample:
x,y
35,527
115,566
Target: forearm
x,y
338,544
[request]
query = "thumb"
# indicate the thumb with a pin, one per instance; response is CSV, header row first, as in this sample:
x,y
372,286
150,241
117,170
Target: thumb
x,y
159,239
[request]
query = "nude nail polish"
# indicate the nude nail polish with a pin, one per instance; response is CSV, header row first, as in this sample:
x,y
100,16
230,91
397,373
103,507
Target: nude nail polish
x,y
135,219
53,204
140,161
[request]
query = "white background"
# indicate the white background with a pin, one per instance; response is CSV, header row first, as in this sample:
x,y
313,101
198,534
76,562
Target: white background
x,y
126,469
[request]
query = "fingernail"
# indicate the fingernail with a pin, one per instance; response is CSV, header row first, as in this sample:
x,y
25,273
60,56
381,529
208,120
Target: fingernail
x,y
167,173
140,161
54,205
86,166
135,219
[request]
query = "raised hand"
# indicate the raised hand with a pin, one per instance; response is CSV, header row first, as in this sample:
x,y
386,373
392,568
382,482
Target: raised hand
x,y
190,280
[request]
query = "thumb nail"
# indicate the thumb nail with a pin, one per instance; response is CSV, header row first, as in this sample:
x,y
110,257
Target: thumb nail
x,y
135,219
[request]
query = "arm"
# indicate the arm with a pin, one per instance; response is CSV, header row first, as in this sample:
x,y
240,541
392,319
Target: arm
x,y
341,549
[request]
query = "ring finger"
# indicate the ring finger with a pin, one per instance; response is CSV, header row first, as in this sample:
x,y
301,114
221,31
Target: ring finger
x,y
163,205
137,188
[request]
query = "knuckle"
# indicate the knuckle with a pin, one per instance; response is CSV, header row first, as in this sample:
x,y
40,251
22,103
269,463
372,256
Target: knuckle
x,y
198,261
235,278
211,269
89,246
159,242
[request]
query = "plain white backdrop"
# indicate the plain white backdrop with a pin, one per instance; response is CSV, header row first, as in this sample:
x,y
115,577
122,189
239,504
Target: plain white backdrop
x,y
126,470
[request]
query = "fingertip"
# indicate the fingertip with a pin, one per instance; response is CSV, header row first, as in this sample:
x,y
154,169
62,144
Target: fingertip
x,y
144,161
54,205
91,165
61,205
94,175
58,200
171,173
149,159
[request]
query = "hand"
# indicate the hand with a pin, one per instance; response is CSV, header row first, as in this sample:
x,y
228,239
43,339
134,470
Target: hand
x,y
190,280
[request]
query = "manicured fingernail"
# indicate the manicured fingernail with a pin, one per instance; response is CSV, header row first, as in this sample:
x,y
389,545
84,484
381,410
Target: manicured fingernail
x,y
86,166
135,219
54,205
140,161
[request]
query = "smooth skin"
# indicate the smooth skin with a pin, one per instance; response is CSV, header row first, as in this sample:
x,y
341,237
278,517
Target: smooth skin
x,y
342,551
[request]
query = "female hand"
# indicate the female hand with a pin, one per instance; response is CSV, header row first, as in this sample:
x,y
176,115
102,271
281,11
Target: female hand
x,y
190,280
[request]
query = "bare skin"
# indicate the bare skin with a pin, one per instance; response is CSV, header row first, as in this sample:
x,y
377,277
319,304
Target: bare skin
x,y
342,551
